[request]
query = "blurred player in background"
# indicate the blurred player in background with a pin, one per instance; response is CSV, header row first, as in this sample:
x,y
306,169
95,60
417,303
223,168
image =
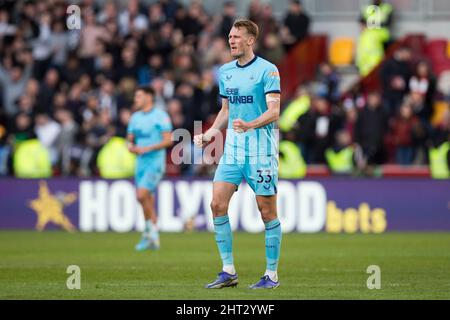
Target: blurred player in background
x,y
250,91
149,134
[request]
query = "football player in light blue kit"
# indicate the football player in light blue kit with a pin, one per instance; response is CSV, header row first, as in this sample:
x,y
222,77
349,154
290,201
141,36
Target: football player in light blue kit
x,y
149,134
250,91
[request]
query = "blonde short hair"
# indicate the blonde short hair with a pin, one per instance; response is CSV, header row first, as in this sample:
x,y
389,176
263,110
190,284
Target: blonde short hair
x,y
250,26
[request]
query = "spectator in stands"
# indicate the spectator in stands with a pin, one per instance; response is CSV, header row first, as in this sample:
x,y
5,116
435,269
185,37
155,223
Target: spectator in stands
x,y
439,149
423,82
6,28
340,155
185,94
66,138
129,67
395,74
228,17
108,13
5,148
441,132
13,81
42,47
90,33
156,16
105,69
192,22
255,11
26,105
22,129
405,127
420,107
72,70
328,81
122,122
47,91
170,7
272,48
107,99
97,133
296,25
47,131
349,124
267,24
32,88
207,95
132,20
175,111
370,129
379,19
60,44
370,48
319,129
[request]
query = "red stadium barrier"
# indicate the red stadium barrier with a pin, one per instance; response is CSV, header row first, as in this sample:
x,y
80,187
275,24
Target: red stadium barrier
x,y
387,171
300,64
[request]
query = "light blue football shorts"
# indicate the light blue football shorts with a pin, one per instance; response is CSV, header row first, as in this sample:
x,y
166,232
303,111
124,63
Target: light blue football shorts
x,y
148,177
260,172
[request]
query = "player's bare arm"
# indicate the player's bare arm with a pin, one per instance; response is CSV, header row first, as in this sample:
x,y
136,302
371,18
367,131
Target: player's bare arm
x,y
165,143
271,115
130,142
220,123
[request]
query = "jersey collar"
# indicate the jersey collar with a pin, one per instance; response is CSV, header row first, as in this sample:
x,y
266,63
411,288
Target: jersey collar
x,y
248,63
150,111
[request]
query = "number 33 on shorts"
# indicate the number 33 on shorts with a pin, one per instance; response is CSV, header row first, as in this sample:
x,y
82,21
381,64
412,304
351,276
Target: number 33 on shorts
x,y
265,178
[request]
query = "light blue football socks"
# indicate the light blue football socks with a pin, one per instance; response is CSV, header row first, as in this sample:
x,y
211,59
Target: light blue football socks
x,y
151,230
273,244
224,240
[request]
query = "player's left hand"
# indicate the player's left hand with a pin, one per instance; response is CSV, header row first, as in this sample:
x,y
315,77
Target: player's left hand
x,y
240,125
138,150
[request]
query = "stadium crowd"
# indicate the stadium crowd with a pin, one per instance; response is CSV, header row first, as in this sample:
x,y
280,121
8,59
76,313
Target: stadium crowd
x,y
73,89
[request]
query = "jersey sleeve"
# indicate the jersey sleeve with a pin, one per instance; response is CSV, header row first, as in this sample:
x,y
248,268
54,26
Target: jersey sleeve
x,y
222,92
165,124
272,80
130,128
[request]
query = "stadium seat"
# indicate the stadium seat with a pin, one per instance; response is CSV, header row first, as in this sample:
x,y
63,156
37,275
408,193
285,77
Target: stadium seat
x,y
341,51
437,52
437,48
301,63
443,83
439,110
441,67
417,42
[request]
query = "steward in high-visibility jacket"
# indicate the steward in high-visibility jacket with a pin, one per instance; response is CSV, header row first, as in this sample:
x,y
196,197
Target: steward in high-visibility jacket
x,y
292,165
114,161
293,111
439,161
370,48
340,161
32,160
378,15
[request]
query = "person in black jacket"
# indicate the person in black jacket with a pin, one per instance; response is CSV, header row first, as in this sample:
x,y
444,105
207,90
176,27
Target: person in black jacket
x,y
296,25
395,75
370,129
228,17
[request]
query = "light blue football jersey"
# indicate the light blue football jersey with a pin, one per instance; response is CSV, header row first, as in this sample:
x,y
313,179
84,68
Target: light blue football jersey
x,y
147,128
246,87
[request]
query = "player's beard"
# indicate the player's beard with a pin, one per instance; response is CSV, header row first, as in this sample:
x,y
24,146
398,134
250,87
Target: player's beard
x,y
237,56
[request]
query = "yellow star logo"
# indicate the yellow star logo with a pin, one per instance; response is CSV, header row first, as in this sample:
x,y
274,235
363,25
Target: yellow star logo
x,y
50,209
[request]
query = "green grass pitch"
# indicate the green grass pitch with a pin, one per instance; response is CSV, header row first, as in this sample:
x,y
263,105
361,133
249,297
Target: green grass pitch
x,y
312,266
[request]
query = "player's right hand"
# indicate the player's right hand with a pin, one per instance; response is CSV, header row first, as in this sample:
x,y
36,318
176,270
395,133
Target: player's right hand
x,y
201,140
130,147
